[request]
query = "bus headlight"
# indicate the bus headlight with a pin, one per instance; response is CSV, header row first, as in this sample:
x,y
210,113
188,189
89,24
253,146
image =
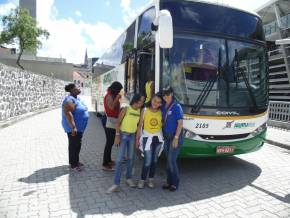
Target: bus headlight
x,y
189,134
259,129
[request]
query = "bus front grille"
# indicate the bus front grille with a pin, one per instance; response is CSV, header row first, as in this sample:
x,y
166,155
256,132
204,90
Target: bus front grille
x,y
224,137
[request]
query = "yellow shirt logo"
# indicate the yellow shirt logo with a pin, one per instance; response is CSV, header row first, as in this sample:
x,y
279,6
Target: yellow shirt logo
x,y
154,122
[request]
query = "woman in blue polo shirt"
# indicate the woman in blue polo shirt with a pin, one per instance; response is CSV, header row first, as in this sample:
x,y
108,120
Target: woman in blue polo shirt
x,y
75,117
172,116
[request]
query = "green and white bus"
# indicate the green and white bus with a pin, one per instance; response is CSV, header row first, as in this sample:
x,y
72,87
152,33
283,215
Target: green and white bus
x,y
213,56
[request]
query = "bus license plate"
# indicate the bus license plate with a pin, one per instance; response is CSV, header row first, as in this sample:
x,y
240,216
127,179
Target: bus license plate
x,y
225,149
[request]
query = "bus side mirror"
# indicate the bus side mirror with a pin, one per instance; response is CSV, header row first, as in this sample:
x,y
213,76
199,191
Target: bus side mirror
x,y
165,29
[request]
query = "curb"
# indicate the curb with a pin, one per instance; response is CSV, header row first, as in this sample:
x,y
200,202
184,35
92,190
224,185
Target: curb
x,y
17,119
278,144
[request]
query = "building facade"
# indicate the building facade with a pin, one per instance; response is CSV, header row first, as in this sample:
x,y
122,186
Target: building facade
x,y
276,18
30,5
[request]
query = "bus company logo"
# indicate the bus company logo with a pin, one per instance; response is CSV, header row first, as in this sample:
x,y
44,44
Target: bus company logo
x,y
229,125
243,125
227,113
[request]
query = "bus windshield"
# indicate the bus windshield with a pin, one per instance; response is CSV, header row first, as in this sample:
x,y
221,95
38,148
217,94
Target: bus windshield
x,y
216,72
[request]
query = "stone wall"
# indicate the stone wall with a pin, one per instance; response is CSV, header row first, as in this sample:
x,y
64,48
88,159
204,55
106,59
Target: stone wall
x,y
22,92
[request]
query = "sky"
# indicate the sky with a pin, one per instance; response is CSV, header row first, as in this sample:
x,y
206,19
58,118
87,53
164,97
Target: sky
x,y
77,25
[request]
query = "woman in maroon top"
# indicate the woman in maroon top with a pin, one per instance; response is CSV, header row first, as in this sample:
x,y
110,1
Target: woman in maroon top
x,y
112,109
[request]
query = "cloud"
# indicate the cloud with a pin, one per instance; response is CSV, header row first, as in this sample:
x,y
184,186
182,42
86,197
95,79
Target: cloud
x,y
108,3
6,8
129,14
69,38
125,5
78,13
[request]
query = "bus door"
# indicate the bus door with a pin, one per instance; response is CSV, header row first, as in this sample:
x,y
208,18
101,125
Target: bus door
x,y
146,64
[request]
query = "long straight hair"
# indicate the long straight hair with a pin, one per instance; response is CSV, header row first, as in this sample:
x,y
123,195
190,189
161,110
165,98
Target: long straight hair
x,y
115,88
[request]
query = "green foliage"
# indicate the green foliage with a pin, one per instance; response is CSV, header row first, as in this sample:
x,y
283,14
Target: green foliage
x,y
128,47
19,27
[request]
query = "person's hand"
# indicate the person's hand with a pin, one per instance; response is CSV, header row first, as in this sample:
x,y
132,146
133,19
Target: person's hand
x,y
119,96
117,140
74,131
175,142
138,135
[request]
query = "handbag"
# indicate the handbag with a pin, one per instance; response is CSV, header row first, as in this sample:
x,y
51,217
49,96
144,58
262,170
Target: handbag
x,y
111,122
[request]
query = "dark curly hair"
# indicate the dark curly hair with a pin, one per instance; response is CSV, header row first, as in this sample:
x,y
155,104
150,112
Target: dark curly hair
x,y
69,87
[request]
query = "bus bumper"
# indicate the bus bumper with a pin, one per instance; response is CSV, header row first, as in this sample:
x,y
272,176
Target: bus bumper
x,y
192,148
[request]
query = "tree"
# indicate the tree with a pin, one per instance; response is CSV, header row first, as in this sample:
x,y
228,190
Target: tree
x,y
19,27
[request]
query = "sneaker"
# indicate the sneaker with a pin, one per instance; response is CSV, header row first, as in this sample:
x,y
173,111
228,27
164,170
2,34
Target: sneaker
x,y
114,188
76,169
108,168
130,183
151,183
141,184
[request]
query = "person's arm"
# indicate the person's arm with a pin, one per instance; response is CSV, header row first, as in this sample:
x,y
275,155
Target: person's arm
x,y
68,109
177,133
139,128
112,103
179,118
118,126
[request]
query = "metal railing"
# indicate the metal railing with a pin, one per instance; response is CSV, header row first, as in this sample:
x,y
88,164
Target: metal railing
x,y
279,114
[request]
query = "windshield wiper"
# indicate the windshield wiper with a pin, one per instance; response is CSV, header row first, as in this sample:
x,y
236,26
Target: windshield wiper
x,y
242,70
206,89
252,96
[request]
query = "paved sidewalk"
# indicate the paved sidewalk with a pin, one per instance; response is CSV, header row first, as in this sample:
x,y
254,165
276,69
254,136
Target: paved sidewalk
x,y
279,137
35,180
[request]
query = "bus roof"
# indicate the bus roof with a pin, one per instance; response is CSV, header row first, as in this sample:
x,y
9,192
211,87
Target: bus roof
x,y
201,1
151,4
224,5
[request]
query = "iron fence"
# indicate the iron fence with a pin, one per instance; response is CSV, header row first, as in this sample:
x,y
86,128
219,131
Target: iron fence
x,y
279,114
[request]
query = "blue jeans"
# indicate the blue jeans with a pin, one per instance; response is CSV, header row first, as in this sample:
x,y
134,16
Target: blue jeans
x,y
150,158
171,155
127,144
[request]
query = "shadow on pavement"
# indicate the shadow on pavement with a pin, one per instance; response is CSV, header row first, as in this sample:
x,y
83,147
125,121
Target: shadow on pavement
x,y
46,175
285,199
200,179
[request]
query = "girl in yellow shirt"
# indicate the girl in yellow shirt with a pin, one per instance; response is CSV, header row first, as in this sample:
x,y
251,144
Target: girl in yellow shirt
x,y
149,139
125,137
